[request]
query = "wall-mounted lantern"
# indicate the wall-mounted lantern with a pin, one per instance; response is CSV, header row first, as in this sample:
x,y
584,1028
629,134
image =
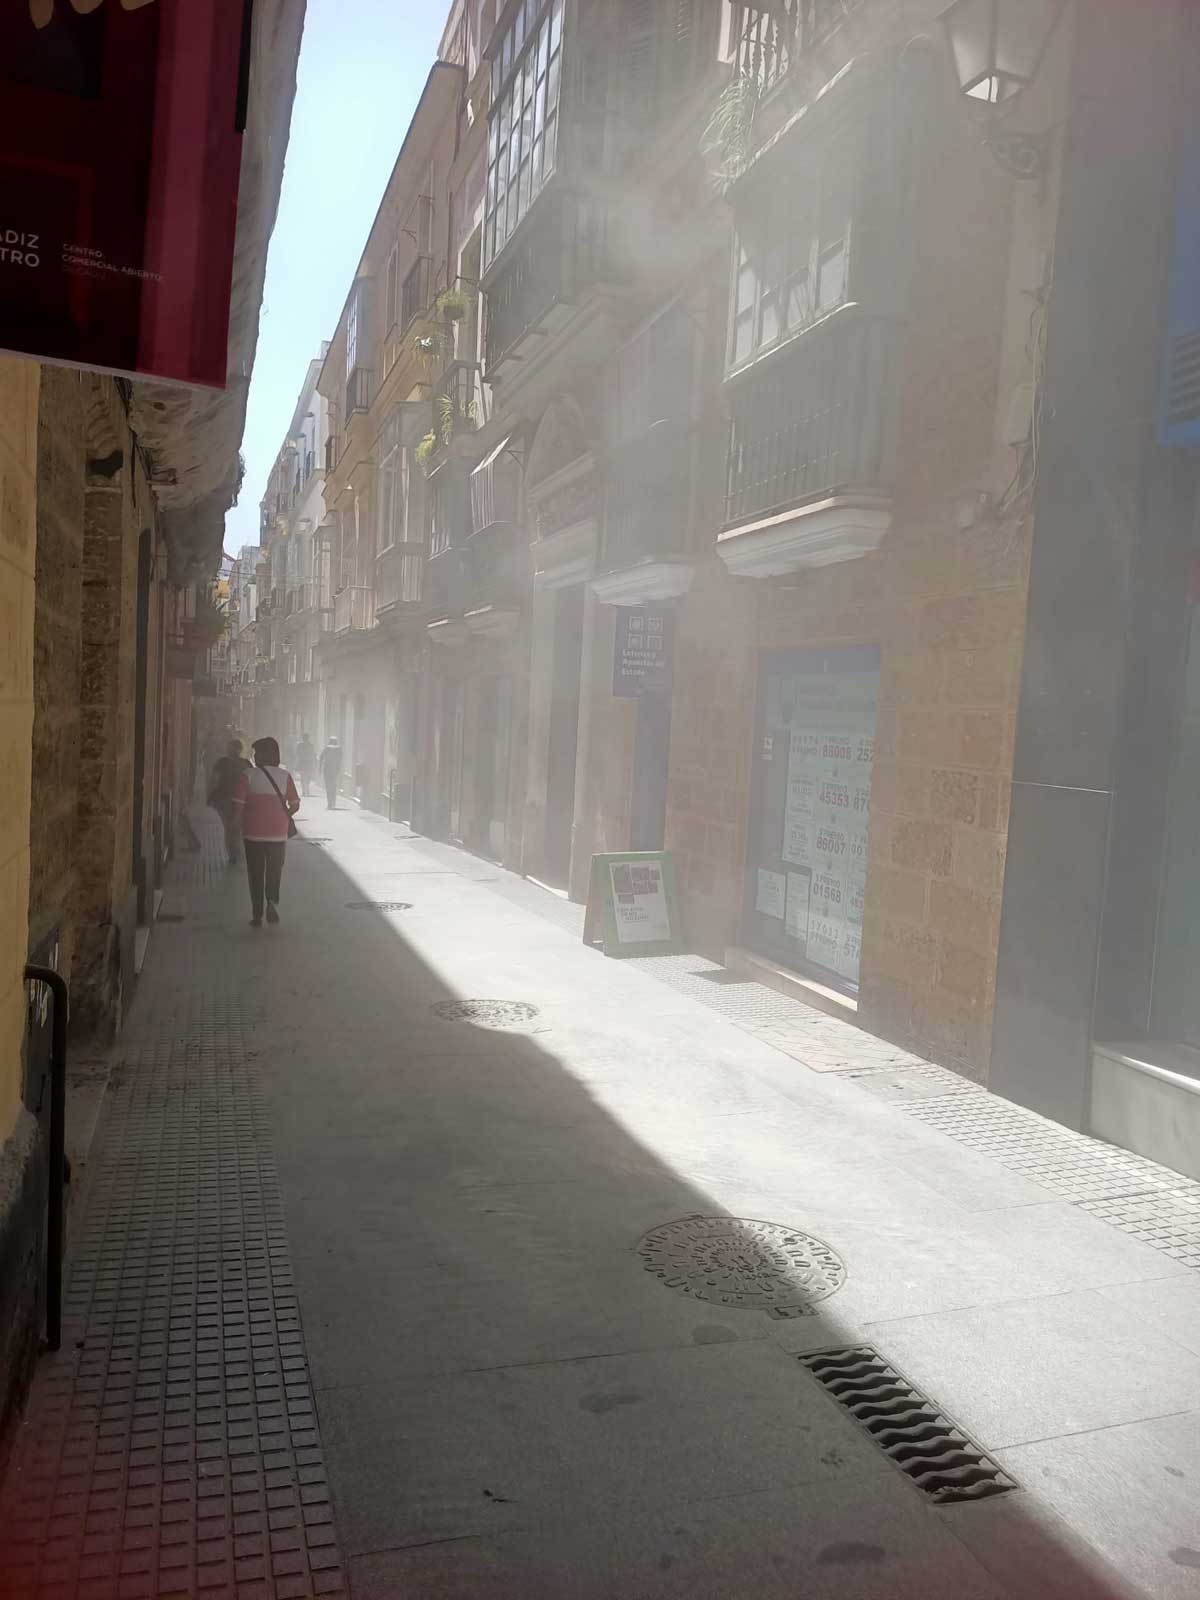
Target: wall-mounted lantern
x,y
997,47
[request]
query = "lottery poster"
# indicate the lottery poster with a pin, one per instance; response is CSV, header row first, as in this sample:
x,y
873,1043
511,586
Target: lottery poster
x,y
813,816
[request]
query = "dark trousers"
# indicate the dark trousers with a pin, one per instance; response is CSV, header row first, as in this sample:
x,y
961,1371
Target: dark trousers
x,y
264,867
331,783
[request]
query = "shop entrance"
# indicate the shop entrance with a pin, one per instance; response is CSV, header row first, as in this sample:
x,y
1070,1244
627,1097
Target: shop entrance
x,y
806,857
1175,993
494,750
564,735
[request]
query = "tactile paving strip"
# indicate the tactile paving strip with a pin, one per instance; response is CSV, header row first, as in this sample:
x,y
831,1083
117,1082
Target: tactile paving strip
x,y
1069,1164
1137,1196
1170,1221
171,1448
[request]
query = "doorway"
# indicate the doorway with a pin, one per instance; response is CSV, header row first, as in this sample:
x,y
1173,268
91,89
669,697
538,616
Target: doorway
x,y
651,760
564,735
453,711
492,757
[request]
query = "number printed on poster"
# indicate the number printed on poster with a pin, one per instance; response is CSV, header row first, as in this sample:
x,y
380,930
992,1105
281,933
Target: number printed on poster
x,y
832,841
833,794
837,747
829,892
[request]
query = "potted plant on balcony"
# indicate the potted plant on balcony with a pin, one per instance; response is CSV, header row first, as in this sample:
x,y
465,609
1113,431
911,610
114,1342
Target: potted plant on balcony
x,y
453,413
430,348
728,136
424,452
452,305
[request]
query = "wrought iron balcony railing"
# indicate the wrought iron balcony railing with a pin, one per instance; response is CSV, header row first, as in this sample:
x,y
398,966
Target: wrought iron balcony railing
x,y
556,255
459,400
774,37
354,609
815,419
398,577
358,391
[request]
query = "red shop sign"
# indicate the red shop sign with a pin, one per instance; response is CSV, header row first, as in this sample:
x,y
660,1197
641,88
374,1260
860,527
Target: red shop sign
x,y
120,153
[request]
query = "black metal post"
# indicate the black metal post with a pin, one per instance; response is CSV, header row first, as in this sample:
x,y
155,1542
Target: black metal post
x,y
57,985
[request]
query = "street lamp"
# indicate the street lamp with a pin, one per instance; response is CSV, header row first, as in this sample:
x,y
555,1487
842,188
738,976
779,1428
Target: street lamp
x,y
998,45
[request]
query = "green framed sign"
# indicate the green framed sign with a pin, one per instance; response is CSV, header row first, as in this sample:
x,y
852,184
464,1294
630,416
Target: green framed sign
x,y
633,905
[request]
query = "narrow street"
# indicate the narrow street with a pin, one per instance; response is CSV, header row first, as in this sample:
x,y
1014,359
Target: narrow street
x,y
343,1261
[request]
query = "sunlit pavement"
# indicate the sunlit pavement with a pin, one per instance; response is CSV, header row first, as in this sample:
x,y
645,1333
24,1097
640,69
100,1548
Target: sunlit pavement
x,y
344,1260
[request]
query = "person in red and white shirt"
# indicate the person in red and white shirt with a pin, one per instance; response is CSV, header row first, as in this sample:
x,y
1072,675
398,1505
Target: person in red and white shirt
x,y
266,800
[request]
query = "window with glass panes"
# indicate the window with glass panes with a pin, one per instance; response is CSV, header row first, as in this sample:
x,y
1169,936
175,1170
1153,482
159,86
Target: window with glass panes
x,y
391,498
523,121
791,255
439,514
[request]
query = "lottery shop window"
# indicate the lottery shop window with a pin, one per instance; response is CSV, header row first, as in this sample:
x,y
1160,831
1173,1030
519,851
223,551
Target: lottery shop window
x,y
806,860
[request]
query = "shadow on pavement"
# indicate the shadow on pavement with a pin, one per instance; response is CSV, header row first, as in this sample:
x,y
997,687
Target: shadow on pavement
x,y
512,1403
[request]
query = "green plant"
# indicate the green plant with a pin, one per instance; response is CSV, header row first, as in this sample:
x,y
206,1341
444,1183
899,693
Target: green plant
x,y
211,620
452,305
729,133
429,348
451,414
424,451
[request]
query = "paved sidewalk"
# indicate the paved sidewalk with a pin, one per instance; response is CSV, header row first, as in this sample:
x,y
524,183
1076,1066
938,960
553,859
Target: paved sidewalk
x,y
310,1183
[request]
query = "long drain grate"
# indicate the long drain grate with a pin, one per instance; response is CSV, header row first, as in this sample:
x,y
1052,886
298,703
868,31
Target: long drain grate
x,y
927,1447
378,905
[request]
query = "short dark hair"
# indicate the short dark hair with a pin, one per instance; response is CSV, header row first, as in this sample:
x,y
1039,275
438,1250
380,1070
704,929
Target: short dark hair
x,y
266,752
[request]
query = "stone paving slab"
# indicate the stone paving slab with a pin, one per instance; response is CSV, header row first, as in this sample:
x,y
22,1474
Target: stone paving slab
x,y
509,1403
171,1448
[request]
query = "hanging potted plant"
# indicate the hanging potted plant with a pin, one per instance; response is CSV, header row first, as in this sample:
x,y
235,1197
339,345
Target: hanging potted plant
x,y
729,134
429,347
452,305
424,451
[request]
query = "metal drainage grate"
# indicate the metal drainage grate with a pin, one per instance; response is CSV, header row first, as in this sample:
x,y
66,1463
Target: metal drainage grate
x,y
486,1013
311,838
378,905
745,1264
930,1449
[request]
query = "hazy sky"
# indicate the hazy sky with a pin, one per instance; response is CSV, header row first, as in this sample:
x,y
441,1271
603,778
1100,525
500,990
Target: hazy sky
x,y
362,66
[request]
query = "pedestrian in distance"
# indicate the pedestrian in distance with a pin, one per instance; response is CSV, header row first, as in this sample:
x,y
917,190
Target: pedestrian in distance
x,y
306,762
331,770
226,775
266,801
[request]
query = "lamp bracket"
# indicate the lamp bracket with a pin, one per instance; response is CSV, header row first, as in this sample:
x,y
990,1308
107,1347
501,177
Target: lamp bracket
x,y
1022,155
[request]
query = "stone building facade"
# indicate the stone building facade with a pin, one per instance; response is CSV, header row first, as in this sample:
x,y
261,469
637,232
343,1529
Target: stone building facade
x,y
22,1166
767,371
113,494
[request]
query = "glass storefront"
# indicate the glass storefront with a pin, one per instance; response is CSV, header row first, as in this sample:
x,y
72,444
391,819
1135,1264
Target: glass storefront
x,y
806,861
1175,1003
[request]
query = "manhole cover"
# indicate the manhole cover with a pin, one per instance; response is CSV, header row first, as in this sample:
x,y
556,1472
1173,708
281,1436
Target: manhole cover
x,y
736,1261
486,1013
378,905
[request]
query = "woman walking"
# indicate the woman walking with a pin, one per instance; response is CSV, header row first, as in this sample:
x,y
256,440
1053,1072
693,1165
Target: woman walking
x,y
266,801
223,785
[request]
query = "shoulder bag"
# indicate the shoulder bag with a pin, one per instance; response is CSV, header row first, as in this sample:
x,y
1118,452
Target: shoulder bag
x,y
293,830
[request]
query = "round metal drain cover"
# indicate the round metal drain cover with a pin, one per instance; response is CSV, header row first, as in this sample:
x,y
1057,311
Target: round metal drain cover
x,y
739,1262
378,905
486,1013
